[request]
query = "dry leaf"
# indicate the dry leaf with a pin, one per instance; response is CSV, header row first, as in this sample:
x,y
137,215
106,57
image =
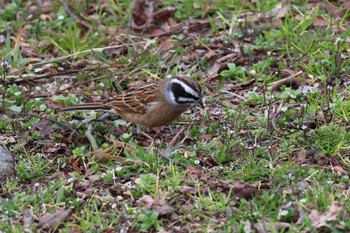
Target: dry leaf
x,y
320,220
159,203
52,221
144,14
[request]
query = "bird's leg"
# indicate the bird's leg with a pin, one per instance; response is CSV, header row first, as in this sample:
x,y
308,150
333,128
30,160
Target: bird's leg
x,y
170,145
140,130
147,136
158,133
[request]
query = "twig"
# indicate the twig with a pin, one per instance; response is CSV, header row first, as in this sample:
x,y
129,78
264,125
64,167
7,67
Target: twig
x,y
88,134
240,85
38,77
291,79
70,13
234,94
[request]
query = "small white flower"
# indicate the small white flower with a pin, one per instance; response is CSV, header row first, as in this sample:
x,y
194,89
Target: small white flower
x,y
110,172
338,40
231,132
329,87
284,212
71,180
240,20
303,127
252,72
5,64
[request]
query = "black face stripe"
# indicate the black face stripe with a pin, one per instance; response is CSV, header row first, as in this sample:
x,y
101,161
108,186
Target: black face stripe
x,y
179,91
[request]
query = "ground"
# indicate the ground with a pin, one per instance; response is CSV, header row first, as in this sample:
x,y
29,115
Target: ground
x,y
270,152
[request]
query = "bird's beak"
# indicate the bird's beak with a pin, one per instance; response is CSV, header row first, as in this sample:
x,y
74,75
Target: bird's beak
x,y
200,103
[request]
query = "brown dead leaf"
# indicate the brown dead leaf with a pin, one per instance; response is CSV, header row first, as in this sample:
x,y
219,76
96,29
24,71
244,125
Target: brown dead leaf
x,y
164,210
321,219
144,14
56,175
141,12
164,14
28,219
165,45
193,170
53,221
320,21
188,206
23,33
281,13
5,140
210,54
45,17
29,52
189,189
240,189
159,203
339,169
215,68
80,64
94,178
148,201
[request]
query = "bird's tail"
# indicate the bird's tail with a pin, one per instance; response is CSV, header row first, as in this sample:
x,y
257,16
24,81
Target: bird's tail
x,y
96,106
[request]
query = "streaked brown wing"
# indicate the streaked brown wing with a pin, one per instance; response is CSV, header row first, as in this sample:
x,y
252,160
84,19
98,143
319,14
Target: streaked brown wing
x,y
134,100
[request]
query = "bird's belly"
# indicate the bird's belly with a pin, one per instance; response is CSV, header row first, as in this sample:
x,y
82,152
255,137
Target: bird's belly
x,y
155,116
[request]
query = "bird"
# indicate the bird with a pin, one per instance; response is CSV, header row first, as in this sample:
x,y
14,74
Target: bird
x,y
151,105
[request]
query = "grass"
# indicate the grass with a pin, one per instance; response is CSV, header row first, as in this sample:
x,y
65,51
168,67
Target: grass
x,y
260,157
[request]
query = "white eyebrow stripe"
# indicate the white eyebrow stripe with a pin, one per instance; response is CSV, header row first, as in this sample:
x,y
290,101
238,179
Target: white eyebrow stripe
x,y
185,100
187,88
